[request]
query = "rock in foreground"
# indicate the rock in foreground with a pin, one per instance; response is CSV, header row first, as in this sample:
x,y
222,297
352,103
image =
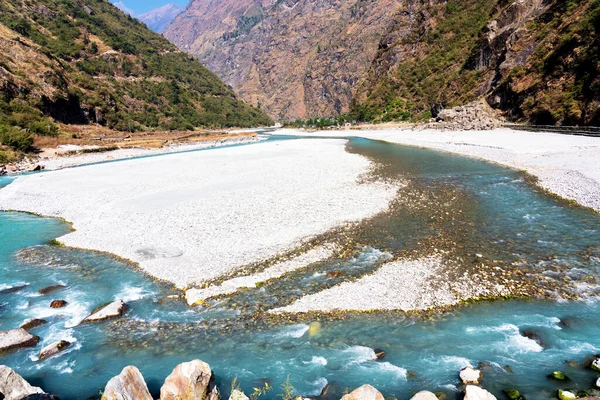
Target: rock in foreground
x,y
238,395
477,393
113,310
189,381
13,386
365,392
16,338
128,385
424,395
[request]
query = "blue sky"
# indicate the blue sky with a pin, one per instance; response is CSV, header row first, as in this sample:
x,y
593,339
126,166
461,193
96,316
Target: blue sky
x,y
142,6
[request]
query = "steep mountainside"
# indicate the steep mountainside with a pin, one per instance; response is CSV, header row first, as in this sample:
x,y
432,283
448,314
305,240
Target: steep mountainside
x,y
389,59
84,61
160,18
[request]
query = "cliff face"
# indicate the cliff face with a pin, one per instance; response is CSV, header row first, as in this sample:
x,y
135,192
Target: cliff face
x,y
389,59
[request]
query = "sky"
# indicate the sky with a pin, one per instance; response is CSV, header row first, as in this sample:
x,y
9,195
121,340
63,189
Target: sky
x,y
142,6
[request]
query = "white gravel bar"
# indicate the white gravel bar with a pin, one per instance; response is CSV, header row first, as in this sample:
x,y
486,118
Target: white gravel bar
x,y
194,295
191,217
566,165
398,285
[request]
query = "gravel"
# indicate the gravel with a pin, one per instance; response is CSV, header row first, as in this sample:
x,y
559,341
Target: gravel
x,y
566,165
398,285
191,217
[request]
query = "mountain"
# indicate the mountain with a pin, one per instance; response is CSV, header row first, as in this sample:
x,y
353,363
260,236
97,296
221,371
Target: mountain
x,y
536,60
85,61
121,6
160,18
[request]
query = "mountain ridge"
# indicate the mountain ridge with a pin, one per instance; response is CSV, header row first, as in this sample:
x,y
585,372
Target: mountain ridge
x,y
390,59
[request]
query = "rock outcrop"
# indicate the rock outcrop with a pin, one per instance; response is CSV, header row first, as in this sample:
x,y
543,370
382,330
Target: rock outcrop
x,y
13,386
424,395
473,116
128,385
113,310
16,338
189,381
365,392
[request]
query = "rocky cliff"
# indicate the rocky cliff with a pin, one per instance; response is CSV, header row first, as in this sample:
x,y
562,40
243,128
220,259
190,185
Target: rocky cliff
x,y
158,19
389,59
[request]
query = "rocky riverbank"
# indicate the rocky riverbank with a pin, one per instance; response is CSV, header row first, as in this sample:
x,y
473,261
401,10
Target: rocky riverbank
x,y
195,380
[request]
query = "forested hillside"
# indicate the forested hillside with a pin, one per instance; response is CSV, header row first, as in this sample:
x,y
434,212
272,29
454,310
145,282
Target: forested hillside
x,y
84,61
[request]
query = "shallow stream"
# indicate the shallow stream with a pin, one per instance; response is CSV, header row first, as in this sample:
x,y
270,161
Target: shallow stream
x,y
464,206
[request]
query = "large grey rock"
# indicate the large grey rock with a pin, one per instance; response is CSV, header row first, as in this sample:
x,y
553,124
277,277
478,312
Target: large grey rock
x,y
424,395
189,381
596,364
469,375
365,392
113,310
16,338
128,385
477,393
238,395
13,386
53,349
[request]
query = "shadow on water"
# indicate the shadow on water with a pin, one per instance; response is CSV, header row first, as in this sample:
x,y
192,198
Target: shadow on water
x,y
487,220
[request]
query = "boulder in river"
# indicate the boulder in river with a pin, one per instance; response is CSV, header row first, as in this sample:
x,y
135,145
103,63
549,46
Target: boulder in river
x,y
513,394
58,304
476,393
558,376
469,375
379,353
238,395
596,364
113,310
50,289
424,395
598,383
53,349
189,381
13,289
365,392
534,335
16,338
128,385
32,323
566,395
13,386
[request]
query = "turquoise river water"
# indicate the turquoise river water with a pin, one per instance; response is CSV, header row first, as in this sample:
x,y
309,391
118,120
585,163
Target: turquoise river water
x,y
509,220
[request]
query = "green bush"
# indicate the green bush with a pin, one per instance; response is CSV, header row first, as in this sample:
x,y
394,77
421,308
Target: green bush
x,y
17,139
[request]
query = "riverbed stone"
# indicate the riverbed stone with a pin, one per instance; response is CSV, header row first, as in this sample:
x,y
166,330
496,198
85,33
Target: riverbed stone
x,y
476,393
469,375
53,349
365,392
58,303
13,386
13,289
238,395
32,323
189,381
113,310
380,354
424,395
128,385
16,338
566,395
